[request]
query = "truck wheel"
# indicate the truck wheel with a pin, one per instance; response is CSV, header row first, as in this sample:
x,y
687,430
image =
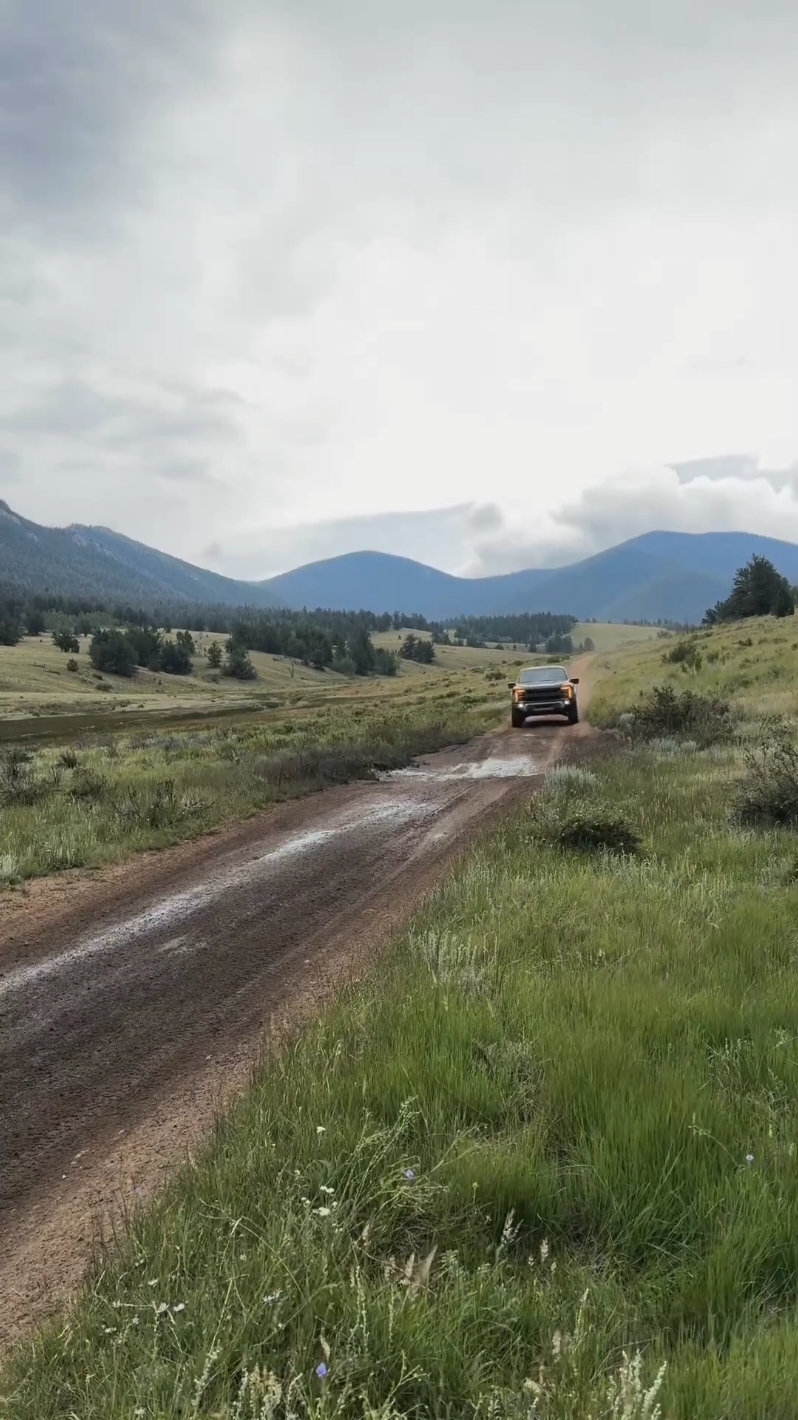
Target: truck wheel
x,y
573,715
518,720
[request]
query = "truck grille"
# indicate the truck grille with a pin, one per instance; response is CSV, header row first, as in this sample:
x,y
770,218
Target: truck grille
x,y
542,695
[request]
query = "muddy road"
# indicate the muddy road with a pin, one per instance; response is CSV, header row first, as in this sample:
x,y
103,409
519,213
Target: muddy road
x,y
133,1002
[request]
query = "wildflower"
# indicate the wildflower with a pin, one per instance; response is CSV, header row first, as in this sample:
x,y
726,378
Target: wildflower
x,y
328,1191
410,1175
323,1212
153,1283
749,1158
320,1129
321,1371
272,1299
181,1307
161,1308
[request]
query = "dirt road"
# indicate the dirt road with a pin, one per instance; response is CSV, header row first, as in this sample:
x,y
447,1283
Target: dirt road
x,y
134,1003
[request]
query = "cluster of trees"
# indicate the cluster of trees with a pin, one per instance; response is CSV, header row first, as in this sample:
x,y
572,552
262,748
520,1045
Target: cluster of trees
x,y
758,590
528,628
326,640
417,648
559,644
122,652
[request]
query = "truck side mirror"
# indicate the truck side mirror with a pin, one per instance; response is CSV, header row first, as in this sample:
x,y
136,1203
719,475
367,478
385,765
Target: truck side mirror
x,y
511,685
574,680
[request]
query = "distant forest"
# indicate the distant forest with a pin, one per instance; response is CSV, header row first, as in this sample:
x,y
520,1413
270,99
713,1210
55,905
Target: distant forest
x,y
321,638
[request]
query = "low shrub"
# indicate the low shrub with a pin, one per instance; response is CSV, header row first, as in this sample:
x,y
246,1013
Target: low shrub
x,y
564,817
88,786
586,830
159,807
9,870
18,786
767,792
684,653
570,778
662,714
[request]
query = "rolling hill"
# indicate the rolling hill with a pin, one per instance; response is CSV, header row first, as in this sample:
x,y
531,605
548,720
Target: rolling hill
x,y
658,576
95,562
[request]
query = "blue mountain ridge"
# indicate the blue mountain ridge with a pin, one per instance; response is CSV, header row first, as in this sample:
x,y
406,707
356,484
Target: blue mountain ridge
x,y
657,576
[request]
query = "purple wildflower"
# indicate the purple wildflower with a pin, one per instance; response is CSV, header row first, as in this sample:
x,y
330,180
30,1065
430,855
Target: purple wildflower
x,y
321,1371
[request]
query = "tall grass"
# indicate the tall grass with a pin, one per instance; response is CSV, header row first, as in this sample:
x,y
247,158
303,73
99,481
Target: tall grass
x,y
542,1163
106,799
752,663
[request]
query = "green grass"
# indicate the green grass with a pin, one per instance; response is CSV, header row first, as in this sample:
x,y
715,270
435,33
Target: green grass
x,y
103,800
611,635
546,1150
753,662
165,758
34,680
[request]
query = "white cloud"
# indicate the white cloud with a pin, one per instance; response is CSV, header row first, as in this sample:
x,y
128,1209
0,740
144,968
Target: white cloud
x,y
271,268
723,494
444,537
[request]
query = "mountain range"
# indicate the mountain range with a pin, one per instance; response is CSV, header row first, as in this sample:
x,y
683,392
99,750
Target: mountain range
x,y
658,576
95,562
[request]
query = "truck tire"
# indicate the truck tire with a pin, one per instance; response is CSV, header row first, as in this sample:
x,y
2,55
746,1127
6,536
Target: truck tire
x,y
573,715
517,719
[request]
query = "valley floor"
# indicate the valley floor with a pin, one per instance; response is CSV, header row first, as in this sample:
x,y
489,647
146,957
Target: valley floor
x,y
541,1162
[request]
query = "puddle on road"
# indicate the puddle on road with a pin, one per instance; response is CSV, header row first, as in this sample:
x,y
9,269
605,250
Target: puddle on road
x,y
179,908
518,767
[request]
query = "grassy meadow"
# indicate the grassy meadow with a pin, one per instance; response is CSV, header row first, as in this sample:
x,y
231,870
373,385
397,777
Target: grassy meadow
x,y
94,768
105,797
543,1163
612,635
35,684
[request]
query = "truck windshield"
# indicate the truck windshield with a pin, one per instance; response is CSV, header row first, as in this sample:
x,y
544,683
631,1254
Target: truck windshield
x,y
543,675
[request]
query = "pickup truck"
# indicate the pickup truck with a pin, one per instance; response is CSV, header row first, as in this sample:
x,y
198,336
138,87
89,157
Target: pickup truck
x,y
543,690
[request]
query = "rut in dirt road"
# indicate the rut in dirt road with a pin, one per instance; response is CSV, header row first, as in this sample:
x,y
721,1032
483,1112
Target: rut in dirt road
x,y
102,1018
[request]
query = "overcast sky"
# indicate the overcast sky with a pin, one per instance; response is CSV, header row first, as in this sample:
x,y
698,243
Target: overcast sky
x,y
482,283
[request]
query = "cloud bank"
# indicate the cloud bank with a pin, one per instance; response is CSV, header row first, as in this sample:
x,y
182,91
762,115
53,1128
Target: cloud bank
x,y
273,277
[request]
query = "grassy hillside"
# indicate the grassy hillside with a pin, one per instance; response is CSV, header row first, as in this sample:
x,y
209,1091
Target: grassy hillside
x,y
755,662
612,636
35,683
542,1163
34,680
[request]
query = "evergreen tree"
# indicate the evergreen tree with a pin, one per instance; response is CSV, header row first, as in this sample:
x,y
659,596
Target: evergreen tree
x,y
758,590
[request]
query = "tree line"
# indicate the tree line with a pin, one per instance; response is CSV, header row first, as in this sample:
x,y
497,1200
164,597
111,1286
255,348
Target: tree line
x,y
758,589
